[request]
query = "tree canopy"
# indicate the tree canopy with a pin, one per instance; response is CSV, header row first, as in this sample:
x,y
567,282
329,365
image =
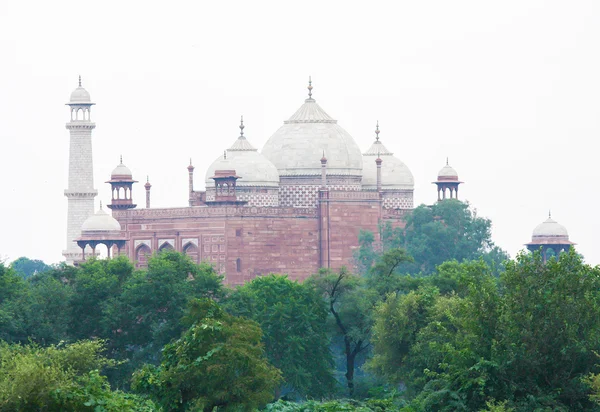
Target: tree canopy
x,y
293,318
218,362
527,339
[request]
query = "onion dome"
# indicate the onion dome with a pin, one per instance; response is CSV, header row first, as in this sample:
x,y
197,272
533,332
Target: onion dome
x,y
297,146
394,173
550,231
80,95
253,168
100,222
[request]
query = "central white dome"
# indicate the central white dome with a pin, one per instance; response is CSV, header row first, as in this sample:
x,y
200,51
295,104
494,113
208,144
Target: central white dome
x,y
297,147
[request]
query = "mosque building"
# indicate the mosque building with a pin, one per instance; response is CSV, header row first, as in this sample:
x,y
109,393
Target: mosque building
x,y
294,207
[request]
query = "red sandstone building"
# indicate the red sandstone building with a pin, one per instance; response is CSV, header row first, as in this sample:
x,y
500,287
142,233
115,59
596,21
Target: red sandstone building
x,y
296,206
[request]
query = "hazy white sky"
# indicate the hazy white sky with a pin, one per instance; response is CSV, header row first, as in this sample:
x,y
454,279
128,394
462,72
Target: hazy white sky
x,y
508,90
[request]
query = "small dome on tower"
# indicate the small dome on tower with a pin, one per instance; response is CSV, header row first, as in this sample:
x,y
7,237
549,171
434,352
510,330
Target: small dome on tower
x,y
550,229
448,173
80,95
100,222
121,172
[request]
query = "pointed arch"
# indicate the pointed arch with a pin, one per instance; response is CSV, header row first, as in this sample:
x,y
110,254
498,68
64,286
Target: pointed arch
x,y
165,246
142,254
191,250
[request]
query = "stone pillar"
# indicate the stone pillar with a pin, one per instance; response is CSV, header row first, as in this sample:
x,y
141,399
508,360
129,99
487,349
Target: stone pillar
x,y
378,161
323,171
324,227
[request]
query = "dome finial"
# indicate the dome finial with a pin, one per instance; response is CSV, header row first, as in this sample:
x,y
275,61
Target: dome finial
x,y
224,154
310,87
121,159
377,133
549,214
101,205
446,160
190,161
147,179
242,126
79,80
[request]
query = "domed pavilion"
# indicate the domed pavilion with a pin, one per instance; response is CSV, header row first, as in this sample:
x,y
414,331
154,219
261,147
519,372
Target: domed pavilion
x,y
101,229
549,236
447,183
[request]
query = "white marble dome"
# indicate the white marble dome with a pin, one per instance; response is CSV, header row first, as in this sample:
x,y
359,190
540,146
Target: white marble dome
x,y
550,228
447,173
395,175
297,147
253,168
80,95
100,222
121,171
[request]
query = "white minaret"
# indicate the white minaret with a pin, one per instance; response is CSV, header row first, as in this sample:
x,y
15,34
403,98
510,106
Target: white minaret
x,y
80,192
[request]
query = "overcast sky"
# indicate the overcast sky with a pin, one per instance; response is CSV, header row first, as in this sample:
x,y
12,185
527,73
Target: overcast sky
x,y
508,90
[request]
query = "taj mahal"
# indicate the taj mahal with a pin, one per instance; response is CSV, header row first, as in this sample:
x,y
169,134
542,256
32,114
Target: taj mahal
x,y
293,207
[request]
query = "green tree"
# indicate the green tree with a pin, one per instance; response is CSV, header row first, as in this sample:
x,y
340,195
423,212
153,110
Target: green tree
x,y
60,378
218,362
48,309
94,284
351,305
465,339
146,315
549,329
293,318
13,305
448,230
26,267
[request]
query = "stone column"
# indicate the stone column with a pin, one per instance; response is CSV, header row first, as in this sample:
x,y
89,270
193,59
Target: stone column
x,y
378,161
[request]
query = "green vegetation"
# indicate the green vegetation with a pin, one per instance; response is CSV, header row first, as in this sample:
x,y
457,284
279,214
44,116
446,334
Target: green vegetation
x,y
434,318
218,362
293,318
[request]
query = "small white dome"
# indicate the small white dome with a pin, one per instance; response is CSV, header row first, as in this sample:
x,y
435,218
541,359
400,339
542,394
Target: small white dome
x,y
100,222
80,95
394,173
253,168
550,228
296,147
448,173
121,171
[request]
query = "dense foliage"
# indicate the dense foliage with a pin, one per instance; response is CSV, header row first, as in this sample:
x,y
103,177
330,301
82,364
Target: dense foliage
x,y
60,378
433,235
527,339
218,362
293,318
